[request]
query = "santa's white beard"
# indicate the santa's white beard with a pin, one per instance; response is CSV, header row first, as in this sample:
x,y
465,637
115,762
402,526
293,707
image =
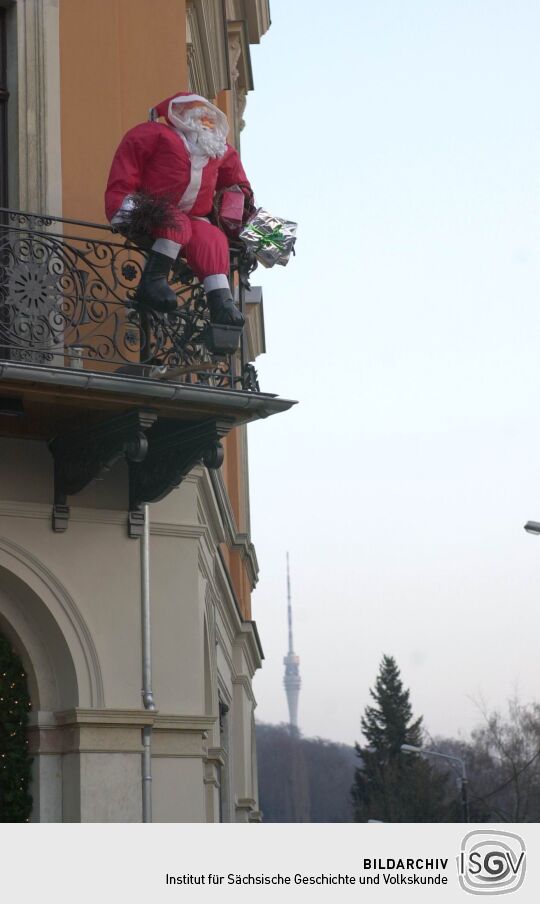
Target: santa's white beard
x,y
201,140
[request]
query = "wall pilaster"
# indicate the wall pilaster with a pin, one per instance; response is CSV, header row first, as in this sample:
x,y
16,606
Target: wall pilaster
x,y
38,92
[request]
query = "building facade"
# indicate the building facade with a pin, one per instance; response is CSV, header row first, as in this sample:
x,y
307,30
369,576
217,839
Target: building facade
x,y
81,436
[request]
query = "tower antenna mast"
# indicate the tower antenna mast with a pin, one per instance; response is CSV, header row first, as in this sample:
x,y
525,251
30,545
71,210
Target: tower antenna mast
x,y
291,681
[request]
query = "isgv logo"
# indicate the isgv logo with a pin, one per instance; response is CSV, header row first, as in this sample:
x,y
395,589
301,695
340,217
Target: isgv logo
x,y
491,863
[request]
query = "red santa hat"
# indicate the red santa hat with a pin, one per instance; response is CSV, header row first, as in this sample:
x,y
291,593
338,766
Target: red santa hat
x,y
186,97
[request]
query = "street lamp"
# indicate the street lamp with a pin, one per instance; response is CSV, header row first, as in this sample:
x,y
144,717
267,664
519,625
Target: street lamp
x,y
409,748
532,527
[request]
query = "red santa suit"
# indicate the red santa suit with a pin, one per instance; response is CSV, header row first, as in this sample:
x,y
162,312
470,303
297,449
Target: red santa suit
x,y
166,161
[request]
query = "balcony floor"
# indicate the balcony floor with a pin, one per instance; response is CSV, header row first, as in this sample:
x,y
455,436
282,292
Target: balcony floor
x,y
54,398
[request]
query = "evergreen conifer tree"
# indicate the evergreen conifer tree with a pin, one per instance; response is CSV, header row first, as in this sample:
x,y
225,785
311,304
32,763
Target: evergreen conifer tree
x,y
15,761
389,785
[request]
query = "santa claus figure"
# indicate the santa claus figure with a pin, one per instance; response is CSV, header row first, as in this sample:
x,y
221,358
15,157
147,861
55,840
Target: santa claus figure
x,y
182,163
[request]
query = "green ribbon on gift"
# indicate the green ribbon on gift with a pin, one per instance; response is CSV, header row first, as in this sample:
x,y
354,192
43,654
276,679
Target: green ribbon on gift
x,y
267,239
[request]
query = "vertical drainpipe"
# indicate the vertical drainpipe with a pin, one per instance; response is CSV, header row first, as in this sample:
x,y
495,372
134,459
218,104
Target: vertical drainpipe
x,y
147,695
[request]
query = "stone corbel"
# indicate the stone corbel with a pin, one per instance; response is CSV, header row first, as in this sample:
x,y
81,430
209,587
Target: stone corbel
x,y
246,810
174,449
213,764
159,453
87,454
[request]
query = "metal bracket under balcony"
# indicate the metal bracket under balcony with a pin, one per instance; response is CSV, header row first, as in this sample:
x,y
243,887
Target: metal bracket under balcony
x,y
101,381
159,453
174,449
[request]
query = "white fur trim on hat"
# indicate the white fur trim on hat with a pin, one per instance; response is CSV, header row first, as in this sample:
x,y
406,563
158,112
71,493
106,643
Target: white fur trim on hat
x,y
189,98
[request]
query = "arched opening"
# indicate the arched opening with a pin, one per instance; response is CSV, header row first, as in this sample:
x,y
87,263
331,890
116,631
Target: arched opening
x,y
32,632
46,629
49,633
36,637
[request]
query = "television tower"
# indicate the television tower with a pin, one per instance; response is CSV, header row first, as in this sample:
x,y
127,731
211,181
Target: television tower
x,y
291,680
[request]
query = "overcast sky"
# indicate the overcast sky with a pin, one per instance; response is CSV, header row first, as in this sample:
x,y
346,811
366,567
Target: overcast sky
x,y
403,136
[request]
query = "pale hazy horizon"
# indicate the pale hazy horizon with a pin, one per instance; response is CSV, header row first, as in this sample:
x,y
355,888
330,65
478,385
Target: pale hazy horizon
x,y
404,138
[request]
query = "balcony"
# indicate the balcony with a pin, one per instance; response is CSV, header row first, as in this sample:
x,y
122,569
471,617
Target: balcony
x,y
81,367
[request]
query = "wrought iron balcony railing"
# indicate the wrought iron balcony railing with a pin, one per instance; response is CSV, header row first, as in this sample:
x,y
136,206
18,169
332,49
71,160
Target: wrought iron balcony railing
x,y
66,300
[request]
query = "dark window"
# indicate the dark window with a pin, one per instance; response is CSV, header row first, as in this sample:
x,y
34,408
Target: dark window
x,y
3,111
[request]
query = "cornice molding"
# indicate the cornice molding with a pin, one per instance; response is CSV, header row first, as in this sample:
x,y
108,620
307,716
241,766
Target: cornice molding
x,y
216,755
175,722
170,529
258,19
132,718
110,717
36,511
42,512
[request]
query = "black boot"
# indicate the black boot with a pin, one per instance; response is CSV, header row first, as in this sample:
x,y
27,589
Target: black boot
x,y
223,309
154,291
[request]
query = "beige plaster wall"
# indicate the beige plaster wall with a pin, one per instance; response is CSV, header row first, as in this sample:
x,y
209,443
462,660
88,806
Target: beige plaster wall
x,y
117,59
71,604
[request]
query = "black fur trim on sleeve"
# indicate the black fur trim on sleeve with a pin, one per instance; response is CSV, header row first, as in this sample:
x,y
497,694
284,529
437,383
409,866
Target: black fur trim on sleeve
x,y
150,212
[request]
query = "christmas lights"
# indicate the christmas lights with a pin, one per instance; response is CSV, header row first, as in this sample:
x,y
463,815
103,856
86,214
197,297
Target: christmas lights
x,y
15,762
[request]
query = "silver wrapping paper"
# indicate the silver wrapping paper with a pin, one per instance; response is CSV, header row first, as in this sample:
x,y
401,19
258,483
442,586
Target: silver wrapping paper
x,y
270,238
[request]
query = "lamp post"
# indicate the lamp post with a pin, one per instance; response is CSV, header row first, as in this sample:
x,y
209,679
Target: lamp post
x,y
409,748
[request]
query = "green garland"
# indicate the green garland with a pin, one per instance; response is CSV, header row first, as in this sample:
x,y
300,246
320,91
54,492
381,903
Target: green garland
x,y
15,761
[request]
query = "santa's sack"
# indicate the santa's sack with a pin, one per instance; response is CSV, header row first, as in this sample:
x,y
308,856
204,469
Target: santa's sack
x,y
269,238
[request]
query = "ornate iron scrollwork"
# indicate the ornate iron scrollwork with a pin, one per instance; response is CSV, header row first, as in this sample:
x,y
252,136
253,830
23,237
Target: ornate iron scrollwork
x,y
250,380
66,299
